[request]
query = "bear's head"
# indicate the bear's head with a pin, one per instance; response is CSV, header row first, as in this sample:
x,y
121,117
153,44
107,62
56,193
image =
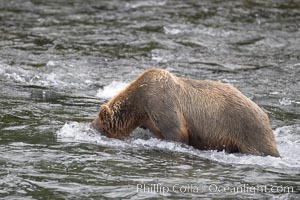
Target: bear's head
x,y
113,123
103,122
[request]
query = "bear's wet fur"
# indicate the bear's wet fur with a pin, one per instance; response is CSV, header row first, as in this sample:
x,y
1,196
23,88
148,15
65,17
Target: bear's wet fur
x,y
207,115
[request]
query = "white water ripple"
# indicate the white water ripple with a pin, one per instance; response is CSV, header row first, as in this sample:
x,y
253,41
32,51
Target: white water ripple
x,y
288,139
55,74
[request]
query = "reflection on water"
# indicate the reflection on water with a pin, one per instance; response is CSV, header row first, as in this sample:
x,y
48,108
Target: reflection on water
x,y
60,60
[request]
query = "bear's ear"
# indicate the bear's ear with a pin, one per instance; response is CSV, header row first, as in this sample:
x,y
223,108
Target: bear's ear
x,y
105,113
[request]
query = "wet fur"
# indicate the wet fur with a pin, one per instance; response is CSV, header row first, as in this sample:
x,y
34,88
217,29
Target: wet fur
x,y
204,114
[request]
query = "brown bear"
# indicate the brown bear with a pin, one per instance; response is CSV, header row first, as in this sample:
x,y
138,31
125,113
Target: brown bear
x,y
205,114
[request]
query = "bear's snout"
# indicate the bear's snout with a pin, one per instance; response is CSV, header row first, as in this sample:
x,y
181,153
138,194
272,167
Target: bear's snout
x,y
95,124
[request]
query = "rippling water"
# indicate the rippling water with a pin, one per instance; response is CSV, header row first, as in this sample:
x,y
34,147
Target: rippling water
x,y
60,60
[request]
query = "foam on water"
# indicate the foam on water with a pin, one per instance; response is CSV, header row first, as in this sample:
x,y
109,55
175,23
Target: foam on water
x,y
171,31
288,140
52,75
13,128
111,90
285,101
145,4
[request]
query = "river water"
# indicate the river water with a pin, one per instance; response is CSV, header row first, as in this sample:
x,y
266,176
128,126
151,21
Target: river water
x,y
60,60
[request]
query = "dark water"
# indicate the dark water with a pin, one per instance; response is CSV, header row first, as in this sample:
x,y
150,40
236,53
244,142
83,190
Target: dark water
x,y
59,60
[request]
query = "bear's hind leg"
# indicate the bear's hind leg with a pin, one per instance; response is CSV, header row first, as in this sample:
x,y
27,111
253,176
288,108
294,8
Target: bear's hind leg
x,y
263,148
247,149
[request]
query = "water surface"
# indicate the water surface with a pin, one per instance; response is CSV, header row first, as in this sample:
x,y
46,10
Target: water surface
x,y
60,60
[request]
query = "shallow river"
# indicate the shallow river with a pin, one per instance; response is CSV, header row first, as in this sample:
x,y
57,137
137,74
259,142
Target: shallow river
x,y
60,60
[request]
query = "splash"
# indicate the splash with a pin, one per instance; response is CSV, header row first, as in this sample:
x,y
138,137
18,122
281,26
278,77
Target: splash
x,y
111,90
82,132
288,139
